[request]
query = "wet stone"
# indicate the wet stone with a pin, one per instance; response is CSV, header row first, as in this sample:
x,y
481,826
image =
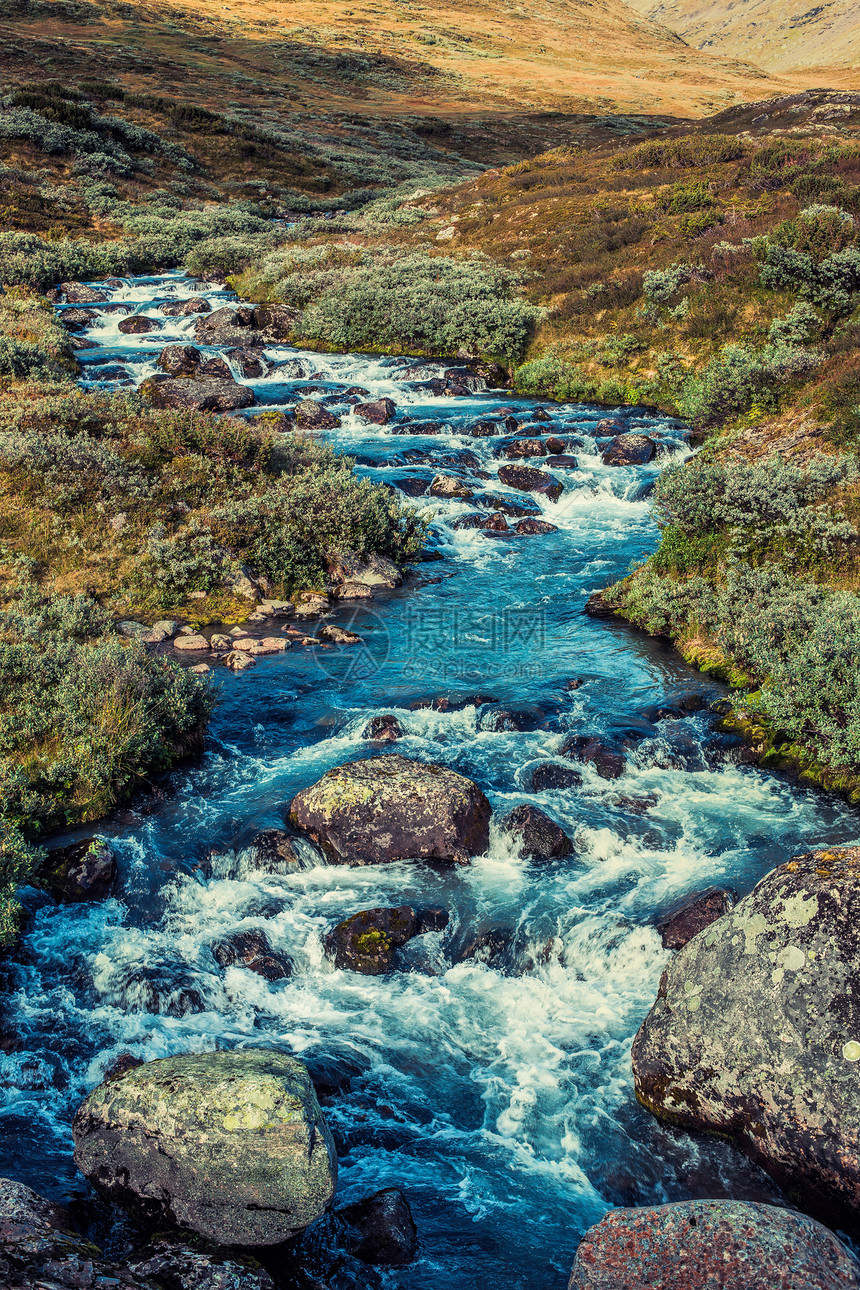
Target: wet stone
x,y
252,950
538,836
84,870
552,775
383,729
607,760
692,915
367,942
384,1229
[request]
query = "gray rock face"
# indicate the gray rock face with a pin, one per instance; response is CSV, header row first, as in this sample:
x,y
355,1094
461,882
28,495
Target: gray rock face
x,y
755,1033
208,395
391,808
231,1145
311,415
39,1249
172,1266
711,1245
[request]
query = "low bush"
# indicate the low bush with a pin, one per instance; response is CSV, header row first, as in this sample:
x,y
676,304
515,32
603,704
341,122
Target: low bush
x,y
680,154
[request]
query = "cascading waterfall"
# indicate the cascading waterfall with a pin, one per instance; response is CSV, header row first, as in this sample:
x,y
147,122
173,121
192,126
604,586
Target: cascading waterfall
x,y
497,1094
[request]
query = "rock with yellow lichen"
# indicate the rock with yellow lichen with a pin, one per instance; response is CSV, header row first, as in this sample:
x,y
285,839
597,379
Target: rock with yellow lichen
x,y
755,1034
232,1145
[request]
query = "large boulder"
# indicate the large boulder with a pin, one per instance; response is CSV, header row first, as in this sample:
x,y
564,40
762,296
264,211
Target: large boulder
x,y
311,415
705,1244
379,412
277,322
185,308
528,480
137,325
208,395
755,1033
369,571
604,757
391,808
231,1145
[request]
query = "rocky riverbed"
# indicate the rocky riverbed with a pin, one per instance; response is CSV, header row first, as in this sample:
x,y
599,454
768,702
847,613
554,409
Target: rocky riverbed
x,y
460,937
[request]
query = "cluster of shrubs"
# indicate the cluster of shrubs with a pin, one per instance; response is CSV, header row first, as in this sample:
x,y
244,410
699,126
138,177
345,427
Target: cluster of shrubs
x,y
85,718
202,496
687,153
384,299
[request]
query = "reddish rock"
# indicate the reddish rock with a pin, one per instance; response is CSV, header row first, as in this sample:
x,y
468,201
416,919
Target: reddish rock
x,y
252,950
185,308
551,775
137,325
248,360
711,1245
532,527
528,480
554,445
607,761
384,729
519,448
179,360
496,523
692,915
379,412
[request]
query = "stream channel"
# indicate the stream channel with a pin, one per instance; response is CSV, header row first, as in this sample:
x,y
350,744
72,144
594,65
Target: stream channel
x,y
496,1094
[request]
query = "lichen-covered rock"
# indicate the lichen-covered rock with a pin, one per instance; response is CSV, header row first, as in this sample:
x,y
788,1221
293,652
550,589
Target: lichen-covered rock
x,y
367,941
711,1244
379,412
179,360
137,325
449,486
391,808
692,915
40,1251
755,1033
82,871
231,1145
174,1266
538,836
273,851
384,729
311,415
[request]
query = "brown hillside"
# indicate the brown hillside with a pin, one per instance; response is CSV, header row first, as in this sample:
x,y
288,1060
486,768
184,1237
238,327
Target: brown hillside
x,y
819,39
571,55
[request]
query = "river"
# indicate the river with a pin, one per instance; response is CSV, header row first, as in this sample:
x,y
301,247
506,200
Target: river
x,y
499,1097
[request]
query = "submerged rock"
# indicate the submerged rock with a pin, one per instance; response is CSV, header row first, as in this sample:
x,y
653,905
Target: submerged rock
x,y
384,1229
552,775
231,1145
528,480
692,915
703,1244
391,808
383,729
606,760
367,942
755,1033
538,836
477,520
274,851
252,950
629,450
81,871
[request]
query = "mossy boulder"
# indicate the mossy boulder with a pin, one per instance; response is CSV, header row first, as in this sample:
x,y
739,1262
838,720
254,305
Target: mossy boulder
x,y
368,941
755,1034
231,1145
84,870
392,808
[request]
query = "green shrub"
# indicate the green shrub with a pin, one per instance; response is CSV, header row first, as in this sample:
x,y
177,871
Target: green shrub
x,y
686,153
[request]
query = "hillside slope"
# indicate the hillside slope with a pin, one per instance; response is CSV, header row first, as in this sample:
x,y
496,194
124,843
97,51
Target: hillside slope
x,y
572,55
782,38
